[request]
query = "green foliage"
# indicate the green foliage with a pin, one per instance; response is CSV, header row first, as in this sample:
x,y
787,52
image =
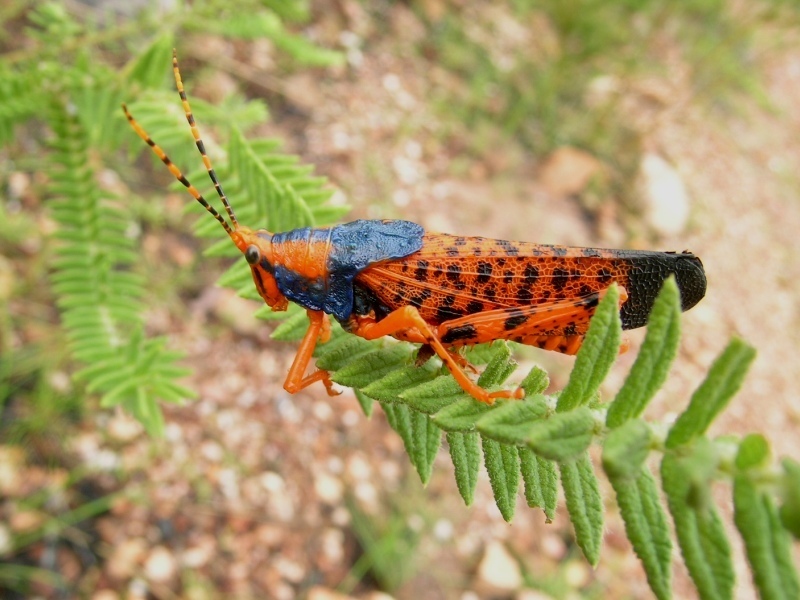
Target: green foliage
x,y
646,526
99,296
269,25
626,449
768,544
62,79
721,383
790,509
22,99
502,464
699,528
585,505
466,455
541,482
420,435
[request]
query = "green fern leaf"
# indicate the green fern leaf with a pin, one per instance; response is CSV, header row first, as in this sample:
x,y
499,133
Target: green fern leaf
x,y
420,436
466,455
297,11
461,415
584,504
100,301
541,482
150,69
291,329
264,312
790,509
510,422
626,449
365,402
278,207
163,118
97,100
269,25
646,527
655,357
701,534
432,396
387,389
563,436
340,351
499,367
753,452
372,366
502,464
535,382
767,543
722,382
22,99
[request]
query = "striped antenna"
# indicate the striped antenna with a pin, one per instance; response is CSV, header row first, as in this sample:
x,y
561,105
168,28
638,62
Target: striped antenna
x,y
176,171
198,140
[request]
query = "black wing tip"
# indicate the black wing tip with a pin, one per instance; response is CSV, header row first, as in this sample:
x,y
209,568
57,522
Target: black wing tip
x,y
644,284
691,278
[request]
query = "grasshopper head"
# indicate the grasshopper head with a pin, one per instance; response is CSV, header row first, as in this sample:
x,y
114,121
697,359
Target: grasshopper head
x,y
257,249
255,245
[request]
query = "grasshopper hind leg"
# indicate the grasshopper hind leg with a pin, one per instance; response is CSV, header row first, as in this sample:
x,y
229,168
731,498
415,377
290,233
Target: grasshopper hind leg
x,y
407,323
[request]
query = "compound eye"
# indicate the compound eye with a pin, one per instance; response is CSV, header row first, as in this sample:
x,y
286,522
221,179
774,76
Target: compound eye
x,y
252,255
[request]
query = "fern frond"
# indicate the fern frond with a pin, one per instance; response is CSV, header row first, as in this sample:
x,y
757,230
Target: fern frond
x,y
99,295
93,250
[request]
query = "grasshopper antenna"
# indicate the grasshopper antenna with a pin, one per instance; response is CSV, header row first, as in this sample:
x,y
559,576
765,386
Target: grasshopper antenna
x,y
177,172
199,141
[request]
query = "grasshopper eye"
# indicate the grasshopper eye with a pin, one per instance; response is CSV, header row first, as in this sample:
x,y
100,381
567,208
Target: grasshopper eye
x,y
252,255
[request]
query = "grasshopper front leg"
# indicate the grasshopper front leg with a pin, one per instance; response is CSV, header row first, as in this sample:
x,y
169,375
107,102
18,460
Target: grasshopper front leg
x,y
319,330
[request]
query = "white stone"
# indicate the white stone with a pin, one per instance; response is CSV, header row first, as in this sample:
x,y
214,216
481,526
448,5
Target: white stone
x,y
161,565
329,489
666,201
498,569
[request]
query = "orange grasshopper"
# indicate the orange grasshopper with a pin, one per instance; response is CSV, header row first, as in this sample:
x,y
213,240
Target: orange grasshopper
x,y
391,277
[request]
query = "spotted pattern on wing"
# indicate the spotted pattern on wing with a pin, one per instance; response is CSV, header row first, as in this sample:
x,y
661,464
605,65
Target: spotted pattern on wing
x,y
455,276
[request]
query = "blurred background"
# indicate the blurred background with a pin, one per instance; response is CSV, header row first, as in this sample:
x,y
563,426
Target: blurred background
x,y
641,124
